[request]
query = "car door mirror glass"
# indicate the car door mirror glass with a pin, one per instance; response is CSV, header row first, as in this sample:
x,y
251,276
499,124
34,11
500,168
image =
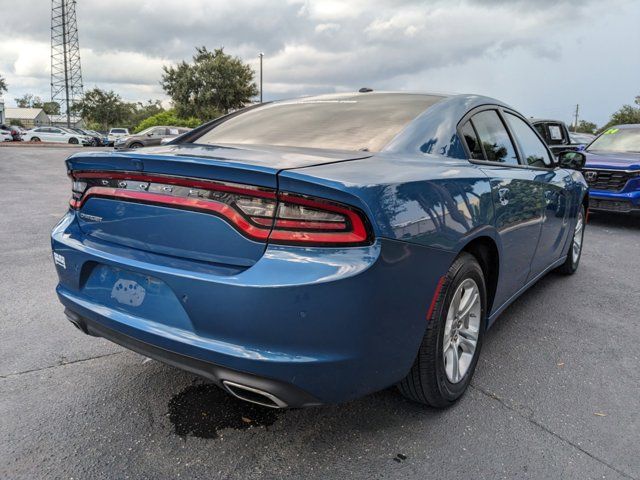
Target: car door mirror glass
x,y
572,160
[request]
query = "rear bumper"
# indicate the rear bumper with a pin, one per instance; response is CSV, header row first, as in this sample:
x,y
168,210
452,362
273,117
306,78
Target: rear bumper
x,y
622,202
284,395
321,325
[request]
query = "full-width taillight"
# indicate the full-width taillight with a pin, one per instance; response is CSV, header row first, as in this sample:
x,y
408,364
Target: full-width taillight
x,y
259,213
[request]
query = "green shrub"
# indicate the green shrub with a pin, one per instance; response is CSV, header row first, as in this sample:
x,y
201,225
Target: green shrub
x,y
168,118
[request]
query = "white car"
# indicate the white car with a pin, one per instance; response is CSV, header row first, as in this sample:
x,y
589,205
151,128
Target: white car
x,y
5,136
116,133
55,134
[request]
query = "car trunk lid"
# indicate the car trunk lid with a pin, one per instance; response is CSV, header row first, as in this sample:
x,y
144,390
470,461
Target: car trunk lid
x,y
205,203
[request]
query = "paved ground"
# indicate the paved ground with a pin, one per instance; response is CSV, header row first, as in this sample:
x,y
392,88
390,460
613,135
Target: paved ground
x,y
556,394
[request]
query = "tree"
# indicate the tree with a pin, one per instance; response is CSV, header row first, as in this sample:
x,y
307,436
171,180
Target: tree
x,y
3,85
141,111
586,127
103,107
28,100
213,84
627,114
50,108
168,118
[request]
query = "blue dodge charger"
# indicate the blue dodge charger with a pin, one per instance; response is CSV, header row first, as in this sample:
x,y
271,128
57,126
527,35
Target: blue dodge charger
x,y
612,170
312,251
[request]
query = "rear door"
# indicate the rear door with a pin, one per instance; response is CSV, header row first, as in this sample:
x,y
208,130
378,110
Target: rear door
x,y
517,196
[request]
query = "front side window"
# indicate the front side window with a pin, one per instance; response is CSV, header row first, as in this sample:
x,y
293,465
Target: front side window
x,y
494,137
617,140
542,131
533,150
341,122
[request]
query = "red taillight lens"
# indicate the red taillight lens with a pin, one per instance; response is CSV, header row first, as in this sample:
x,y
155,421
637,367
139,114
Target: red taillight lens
x,y
310,220
256,212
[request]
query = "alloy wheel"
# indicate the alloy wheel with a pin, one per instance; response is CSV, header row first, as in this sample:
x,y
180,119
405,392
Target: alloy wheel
x,y
461,330
577,238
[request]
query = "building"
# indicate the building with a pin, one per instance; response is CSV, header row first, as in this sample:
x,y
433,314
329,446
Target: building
x,y
27,117
61,121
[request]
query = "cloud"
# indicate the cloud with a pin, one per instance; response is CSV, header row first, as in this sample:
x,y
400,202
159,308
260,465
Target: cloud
x,y
331,45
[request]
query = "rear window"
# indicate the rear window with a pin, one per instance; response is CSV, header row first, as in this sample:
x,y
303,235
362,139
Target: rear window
x,y
618,140
118,130
340,122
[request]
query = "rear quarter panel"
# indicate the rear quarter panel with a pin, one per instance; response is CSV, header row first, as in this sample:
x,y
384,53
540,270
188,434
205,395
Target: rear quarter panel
x,y
426,200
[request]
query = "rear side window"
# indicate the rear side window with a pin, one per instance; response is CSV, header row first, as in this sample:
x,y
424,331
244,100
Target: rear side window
x,y
494,137
341,122
534,152
471,139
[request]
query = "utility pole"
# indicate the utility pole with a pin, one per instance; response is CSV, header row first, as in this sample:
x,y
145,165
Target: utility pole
x,y
261,55
575,123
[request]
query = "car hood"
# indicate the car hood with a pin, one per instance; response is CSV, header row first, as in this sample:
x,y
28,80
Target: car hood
x,y
613,160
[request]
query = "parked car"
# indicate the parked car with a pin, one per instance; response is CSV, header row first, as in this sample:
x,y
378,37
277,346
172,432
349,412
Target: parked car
x,y
97,139
152,136
313,251
613,170
55,134
16,131
581,139
116,133
556,134
5,135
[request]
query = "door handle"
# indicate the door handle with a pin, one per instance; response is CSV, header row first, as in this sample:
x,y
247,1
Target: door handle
x,y
503,196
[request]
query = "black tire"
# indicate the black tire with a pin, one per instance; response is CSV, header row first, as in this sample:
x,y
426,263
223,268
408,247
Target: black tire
x,y
73,141
427,381
35,139
136,145
571,264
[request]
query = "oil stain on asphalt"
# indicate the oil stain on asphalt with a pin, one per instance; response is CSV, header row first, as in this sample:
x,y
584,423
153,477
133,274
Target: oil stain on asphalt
x,y
205,409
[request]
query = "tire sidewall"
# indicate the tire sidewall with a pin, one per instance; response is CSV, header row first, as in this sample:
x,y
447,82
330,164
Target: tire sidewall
x,y
452,391
574,265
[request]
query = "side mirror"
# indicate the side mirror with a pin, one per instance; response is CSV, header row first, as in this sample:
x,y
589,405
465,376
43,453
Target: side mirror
x,y
572,160
149,134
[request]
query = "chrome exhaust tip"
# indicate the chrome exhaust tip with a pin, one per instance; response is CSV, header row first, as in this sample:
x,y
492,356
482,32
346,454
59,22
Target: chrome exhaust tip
x,y
253,395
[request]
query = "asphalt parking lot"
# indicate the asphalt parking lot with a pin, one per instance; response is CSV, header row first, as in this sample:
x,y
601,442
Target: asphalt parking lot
x,y
556,393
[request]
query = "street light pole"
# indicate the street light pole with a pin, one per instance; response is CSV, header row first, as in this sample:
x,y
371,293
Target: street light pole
x,y
261,55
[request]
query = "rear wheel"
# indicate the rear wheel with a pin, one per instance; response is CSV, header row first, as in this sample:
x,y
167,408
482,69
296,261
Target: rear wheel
x,y
451,345
572,262
73,141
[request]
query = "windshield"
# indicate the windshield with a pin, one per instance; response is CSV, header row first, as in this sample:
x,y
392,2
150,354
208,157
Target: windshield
x,y
618,140
342,122
145,131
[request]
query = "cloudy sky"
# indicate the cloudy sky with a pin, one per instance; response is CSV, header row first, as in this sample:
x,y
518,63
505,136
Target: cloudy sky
x,y
541,56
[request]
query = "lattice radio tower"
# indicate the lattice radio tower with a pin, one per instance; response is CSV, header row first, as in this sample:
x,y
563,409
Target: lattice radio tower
x,y
66,74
